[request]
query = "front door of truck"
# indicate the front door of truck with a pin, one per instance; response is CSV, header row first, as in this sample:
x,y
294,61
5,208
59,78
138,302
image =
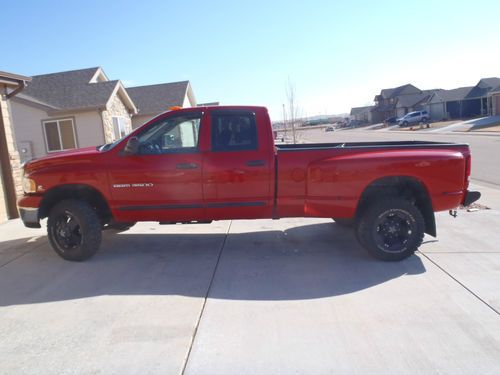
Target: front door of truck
x,y
237,169
162,181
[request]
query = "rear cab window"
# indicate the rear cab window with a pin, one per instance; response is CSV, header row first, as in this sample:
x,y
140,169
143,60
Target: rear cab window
x,y
234,131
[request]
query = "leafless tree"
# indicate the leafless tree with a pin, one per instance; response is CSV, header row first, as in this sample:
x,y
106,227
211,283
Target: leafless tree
x,y
292,108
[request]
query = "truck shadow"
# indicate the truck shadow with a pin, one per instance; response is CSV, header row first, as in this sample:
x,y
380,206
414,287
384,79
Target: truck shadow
x,y
303,262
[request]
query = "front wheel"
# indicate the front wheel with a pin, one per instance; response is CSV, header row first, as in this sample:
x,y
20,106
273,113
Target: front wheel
x,y
391,229
344,222
74,230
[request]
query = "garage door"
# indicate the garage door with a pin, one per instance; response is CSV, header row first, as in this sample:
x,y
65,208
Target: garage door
x,y
437,112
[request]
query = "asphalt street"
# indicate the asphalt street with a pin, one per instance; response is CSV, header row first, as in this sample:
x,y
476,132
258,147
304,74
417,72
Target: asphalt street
x,y
485,148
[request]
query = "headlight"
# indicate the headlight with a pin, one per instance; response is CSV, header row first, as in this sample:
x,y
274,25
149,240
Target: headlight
x,y
29,185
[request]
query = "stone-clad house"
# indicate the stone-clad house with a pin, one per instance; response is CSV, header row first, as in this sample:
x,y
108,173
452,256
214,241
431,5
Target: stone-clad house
x,y
69,110
10,164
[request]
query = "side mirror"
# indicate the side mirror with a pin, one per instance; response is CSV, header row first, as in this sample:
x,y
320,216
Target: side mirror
x,y
132,146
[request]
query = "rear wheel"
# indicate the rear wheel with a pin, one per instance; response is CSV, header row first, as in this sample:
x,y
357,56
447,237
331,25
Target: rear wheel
x,y
391,229
74,230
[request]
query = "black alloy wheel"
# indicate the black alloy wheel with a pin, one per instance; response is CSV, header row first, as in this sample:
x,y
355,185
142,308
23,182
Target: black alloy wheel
x,y
74,230
391,229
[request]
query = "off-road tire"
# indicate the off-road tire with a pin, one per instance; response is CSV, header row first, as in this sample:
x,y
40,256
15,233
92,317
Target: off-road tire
x,y
86,230
119,227
379,215
347,223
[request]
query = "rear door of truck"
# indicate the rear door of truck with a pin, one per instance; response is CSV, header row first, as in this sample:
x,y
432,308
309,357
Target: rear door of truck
x,y
238,169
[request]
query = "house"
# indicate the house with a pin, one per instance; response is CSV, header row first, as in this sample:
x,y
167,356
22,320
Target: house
x,y
154,99
494,99
447,104
412,102
363,114
10,163
476,102
386,101
72,109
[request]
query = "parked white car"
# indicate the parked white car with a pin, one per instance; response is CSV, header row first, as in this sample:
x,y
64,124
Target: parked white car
x,y
412,118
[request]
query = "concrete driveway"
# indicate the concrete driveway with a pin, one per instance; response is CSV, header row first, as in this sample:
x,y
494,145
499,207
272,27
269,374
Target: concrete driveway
x,y
272,297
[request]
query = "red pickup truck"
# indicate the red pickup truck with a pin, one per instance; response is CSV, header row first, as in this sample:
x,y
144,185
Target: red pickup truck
x,y
218,163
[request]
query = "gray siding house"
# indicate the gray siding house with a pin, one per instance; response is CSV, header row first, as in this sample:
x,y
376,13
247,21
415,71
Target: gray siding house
x,y
67,110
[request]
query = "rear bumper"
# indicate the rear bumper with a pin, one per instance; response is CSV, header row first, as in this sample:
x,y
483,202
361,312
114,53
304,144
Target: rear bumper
x,y
471,197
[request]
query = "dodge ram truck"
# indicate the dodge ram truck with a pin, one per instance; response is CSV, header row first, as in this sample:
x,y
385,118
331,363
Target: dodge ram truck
x,y
196,165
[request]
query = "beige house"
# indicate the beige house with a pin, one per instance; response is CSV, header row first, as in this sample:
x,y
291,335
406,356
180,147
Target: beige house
x,y
154,99
67,110
10,165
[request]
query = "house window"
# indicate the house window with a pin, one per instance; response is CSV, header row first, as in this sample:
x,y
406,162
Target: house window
x,y
59,134
119,127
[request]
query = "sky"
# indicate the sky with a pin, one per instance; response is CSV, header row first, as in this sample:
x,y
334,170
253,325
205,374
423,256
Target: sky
x,y
336,54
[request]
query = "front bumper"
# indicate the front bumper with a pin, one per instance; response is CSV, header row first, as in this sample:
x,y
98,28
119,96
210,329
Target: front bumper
x,y
28,209
29,216
471,197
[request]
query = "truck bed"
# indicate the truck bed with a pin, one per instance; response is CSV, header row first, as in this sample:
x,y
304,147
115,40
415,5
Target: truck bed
x,y
356,145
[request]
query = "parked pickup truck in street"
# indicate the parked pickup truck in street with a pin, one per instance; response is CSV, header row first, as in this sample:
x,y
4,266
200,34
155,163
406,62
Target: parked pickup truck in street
x,y
218,163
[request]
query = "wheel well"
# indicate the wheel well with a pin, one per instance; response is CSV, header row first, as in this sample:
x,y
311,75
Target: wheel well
x,y
408,188
76,191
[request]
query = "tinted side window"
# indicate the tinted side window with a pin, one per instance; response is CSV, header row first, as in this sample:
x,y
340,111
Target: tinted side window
x,y
234,131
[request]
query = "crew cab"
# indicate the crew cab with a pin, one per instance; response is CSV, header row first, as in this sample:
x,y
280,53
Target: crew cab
x,y
196,165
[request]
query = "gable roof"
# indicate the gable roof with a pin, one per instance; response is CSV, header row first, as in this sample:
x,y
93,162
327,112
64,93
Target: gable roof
x,y
75,90
483,87
400,90
454,94
411,99
153,99
357,110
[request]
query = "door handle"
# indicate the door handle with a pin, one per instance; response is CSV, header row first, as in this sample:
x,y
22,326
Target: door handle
x,y
186,166
255,163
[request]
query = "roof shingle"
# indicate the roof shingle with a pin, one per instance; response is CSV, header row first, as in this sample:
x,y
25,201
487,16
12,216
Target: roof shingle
x,y
154,99
70,90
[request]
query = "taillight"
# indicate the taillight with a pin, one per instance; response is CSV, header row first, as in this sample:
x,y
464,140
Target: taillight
x,y
468,164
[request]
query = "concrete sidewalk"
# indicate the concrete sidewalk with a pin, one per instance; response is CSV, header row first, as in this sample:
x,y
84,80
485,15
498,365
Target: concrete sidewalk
x,y
288,296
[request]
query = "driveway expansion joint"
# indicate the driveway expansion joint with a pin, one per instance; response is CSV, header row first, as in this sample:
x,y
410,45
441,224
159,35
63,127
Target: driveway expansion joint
x,y
202,310
460,283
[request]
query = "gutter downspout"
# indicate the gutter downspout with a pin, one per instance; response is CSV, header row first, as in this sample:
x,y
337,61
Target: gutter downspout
x,y
18,89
